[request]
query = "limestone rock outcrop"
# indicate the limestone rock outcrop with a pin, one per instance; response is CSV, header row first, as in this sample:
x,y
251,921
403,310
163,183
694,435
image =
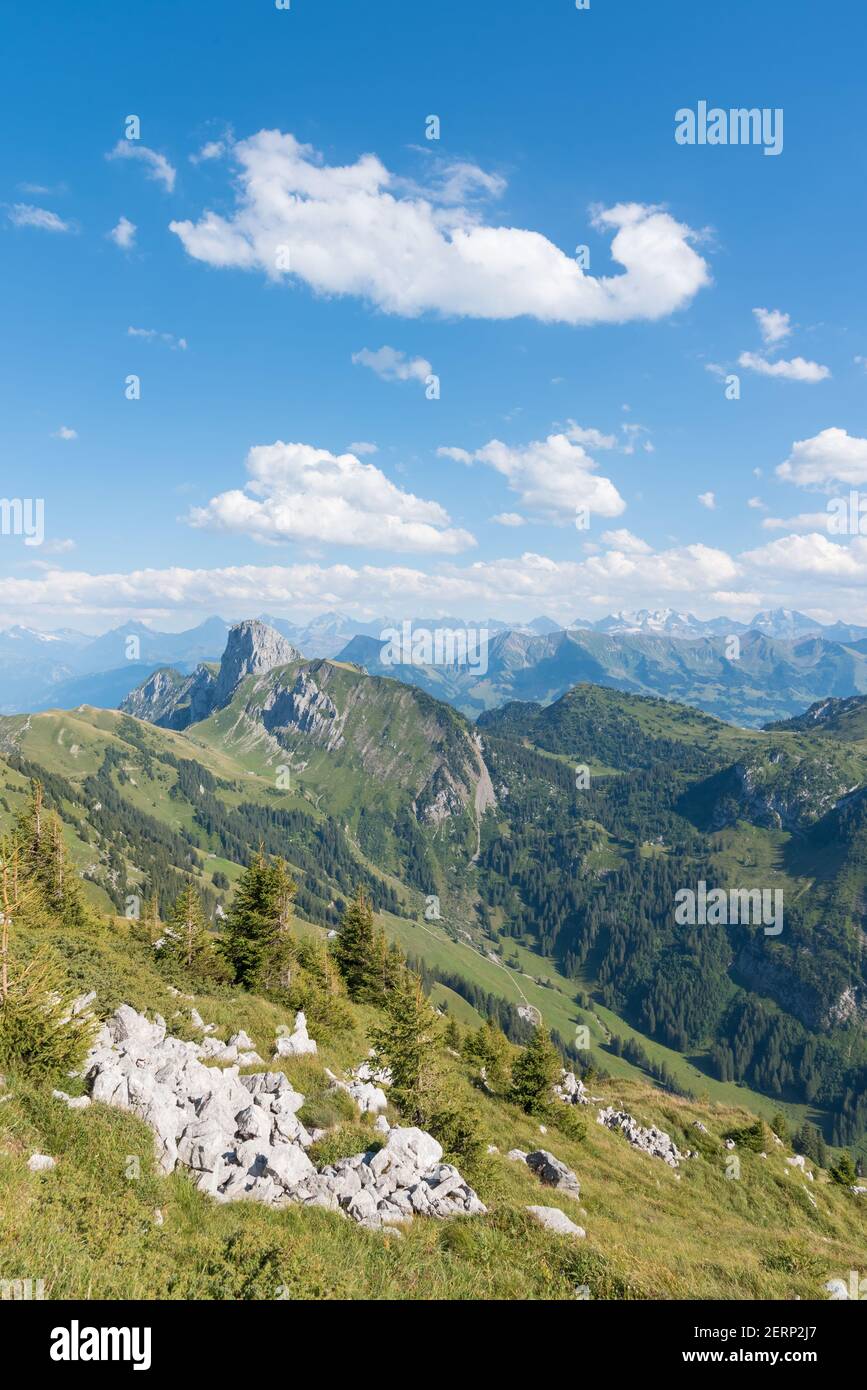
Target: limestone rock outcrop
x,y
241,1138
652,1141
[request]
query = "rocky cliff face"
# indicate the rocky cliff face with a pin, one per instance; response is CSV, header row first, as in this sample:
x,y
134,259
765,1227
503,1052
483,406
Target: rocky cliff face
x,y
173,702
778,792
411,746
768,974
251,648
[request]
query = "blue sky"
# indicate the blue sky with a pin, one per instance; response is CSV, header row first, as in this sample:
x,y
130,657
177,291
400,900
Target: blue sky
x,y
558,390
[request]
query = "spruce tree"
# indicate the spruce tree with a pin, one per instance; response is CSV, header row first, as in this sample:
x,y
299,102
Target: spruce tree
x,y
45,860
489,1048
780,1127
37,1029
187,942
534,1073
252,920
279,951
405,1043
843,1171
355,951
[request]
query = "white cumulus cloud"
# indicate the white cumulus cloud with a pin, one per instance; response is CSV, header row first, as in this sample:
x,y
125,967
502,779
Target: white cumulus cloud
x,y
123,235
356,230
553,477
297,492
830,456
774,325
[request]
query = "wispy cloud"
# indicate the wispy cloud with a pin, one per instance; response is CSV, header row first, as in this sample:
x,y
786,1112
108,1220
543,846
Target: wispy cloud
x,y
796,369
392,365
151,334
26,215
157,167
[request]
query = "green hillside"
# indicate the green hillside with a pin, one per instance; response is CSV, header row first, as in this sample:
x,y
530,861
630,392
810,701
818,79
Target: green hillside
x,y
105,1224
515,889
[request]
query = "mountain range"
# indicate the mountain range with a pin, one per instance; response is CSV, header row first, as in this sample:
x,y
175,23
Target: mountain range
x,y
661,652
491,860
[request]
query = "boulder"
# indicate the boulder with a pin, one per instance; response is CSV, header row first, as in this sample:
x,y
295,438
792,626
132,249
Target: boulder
x,y
72,1102
553,1219
41,1163
553,1173
296,1044
408,1148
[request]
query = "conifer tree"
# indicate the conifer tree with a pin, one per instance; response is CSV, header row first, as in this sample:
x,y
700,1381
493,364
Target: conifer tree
x,y
843,1171
188,943
534,1073
279,951
810,1141
150,917
45,860
256,941
355,951
37,1029
405,1043
489,1048
780,1127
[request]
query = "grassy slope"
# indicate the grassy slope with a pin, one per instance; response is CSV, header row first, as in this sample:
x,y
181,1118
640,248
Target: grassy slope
x,y
89,1230
48,739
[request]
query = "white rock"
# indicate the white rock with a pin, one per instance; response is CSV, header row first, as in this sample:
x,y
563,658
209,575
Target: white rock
x,y
652,1141
72,1102
241,1139
837,1290
407,1148
298,1043
41,1163
553,1219
289,1165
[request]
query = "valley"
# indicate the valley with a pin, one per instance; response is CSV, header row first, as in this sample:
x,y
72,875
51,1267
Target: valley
x,y
548,894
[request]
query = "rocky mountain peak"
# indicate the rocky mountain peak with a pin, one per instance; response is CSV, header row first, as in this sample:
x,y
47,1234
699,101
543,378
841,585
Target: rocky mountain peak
x,y
251,649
